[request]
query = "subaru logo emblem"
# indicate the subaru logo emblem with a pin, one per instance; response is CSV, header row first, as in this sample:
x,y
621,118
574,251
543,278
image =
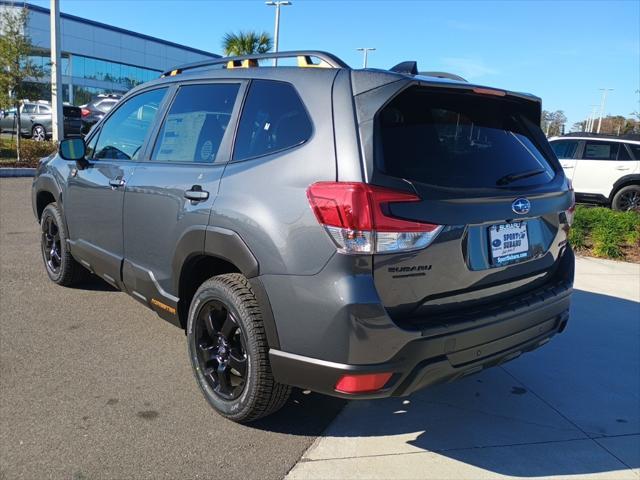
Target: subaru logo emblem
x,y
521,206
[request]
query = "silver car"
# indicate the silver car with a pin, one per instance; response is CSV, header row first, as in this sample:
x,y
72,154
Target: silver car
x,y
35,120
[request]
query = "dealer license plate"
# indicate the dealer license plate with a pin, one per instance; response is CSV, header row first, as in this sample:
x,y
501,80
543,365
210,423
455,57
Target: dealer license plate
x,y
509,242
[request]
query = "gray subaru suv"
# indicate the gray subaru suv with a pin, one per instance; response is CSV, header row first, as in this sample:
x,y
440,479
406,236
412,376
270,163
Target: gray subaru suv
x,y
358,233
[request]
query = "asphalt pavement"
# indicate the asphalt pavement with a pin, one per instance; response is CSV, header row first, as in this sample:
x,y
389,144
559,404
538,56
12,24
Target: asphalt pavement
x,y
93,385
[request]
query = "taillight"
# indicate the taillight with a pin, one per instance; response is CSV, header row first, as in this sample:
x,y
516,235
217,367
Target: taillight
x,y
85,112
357,217
570,213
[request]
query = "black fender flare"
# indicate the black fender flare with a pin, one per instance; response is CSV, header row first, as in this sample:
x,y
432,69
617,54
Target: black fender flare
x,y
46,183
624,181
227,245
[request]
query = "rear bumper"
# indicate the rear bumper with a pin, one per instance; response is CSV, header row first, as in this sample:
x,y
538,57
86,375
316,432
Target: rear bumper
x,y
443,354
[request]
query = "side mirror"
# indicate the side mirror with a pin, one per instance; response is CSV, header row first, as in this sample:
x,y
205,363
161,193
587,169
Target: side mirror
x,y
72,149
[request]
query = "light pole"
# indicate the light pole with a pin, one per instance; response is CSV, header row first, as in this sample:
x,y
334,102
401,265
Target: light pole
x,y
366,51
57,123
277,4
592,118
604,99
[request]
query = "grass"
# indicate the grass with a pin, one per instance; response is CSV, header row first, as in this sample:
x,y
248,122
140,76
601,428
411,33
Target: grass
x,y
605,233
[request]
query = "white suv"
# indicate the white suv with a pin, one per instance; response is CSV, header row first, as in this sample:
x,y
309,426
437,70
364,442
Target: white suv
x,y
603,170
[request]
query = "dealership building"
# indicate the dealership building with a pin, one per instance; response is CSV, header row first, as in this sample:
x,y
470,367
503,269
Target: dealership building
x,y
99,58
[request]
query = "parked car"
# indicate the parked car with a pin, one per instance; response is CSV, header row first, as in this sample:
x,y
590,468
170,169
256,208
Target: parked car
x,y
93,111
36,118
604,170
358,233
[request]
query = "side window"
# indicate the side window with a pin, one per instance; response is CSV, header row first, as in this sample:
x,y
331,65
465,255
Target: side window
x,y
122,135
623,153
273,119
196,123
44,110
635,149
564,148
29,108
601,150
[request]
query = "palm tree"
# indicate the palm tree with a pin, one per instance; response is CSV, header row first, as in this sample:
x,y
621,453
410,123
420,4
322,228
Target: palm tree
x,y
246,43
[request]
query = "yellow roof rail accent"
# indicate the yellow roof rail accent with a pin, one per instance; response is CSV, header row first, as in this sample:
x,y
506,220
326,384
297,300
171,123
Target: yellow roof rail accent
x,y
305,61
247,63
172,73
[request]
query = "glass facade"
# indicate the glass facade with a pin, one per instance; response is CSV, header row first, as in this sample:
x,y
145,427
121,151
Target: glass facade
x,y
83,70
126,75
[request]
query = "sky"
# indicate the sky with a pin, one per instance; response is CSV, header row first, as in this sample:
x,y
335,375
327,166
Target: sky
x,y
561,51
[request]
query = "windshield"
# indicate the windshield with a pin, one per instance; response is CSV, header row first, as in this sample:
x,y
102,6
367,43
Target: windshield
x,y
459,140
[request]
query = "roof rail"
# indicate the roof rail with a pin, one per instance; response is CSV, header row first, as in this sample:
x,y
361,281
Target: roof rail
x,y
305,59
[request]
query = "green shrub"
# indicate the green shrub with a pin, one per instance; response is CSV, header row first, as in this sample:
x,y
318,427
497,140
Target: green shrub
x,y
605,232
31,150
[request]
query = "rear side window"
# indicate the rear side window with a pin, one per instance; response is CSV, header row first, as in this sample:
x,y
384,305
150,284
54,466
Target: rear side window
x,y
273,119
605,151
565,148
635,149
196,123
460,140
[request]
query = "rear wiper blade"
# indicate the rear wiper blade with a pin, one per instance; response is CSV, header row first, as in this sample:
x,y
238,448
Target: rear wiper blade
x,y
512,177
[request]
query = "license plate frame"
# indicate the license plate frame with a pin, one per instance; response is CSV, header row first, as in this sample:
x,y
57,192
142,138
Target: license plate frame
x,y
508,243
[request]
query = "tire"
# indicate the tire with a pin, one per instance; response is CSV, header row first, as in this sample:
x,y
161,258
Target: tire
x,y
38,133
627,198
225,329
61,267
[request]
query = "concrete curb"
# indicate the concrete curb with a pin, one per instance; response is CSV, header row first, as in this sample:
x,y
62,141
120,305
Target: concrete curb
x,y
11,172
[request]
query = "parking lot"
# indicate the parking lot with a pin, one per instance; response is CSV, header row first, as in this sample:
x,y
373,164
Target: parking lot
x,y
95,386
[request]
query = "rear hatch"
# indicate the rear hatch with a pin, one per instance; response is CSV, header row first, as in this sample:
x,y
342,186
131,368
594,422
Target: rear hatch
x,y
72,120
479,167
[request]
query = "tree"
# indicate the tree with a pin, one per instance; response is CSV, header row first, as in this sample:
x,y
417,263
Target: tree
x,y
16,66
246,43
552,123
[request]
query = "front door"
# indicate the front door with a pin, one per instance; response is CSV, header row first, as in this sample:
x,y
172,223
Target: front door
x,y
168,200
95,194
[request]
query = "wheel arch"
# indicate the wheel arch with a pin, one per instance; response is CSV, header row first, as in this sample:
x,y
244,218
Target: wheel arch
x,y
224,252
633,179
46,191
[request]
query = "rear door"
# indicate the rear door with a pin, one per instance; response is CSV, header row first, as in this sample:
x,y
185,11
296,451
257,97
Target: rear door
x,y
94,196
166,209
601,164
482,170
566,151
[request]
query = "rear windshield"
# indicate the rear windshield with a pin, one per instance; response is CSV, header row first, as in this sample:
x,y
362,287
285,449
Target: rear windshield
x,y
460,140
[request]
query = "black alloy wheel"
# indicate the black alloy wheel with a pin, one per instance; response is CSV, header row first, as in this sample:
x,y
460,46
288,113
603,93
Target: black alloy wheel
x,y
51,245
630,200
229,351
60,265
221,350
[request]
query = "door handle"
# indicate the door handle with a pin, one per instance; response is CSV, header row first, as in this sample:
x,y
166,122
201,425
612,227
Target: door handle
x,y
196,194
567,166
622,168
117,182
